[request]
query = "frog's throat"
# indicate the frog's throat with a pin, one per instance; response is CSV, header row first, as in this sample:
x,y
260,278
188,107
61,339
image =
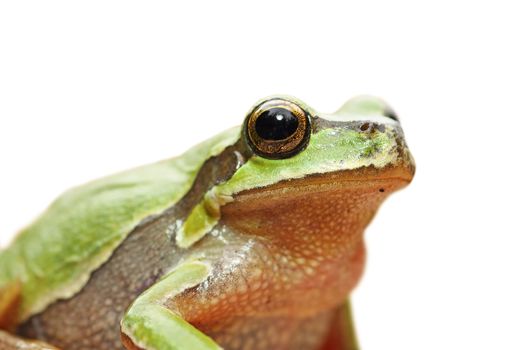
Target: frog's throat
x,y
378,182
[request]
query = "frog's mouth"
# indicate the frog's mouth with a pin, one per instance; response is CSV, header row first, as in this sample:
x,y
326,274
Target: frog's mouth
x,y
361,182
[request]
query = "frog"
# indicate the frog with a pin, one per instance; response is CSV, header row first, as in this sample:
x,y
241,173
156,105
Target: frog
x,y
253,239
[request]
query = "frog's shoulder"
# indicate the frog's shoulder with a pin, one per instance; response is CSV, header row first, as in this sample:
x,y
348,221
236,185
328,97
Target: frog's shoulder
x,y
54,257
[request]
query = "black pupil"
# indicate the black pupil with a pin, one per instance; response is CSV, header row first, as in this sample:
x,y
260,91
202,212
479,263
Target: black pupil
x,y
276,124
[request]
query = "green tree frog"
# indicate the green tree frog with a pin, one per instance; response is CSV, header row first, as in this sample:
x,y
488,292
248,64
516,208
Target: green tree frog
x,y
252,239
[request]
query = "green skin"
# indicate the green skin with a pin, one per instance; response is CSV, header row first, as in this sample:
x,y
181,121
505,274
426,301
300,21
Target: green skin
x,y
53,259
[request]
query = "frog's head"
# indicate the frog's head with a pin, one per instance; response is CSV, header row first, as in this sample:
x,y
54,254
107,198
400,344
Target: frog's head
x,y
305,173
297,151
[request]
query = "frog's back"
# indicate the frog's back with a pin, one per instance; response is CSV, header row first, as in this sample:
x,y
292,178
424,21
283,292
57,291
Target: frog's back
x,y
54,257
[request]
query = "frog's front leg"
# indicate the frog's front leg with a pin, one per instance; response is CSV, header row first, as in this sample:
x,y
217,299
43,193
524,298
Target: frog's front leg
x,y
149,324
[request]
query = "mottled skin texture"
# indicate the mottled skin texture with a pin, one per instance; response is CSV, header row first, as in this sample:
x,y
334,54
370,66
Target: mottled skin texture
x,y
282,256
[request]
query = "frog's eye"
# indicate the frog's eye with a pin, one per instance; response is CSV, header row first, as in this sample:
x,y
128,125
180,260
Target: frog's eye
x,y
277,129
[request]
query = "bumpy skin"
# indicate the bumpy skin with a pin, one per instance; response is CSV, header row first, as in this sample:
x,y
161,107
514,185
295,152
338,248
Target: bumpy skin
x,y
239,251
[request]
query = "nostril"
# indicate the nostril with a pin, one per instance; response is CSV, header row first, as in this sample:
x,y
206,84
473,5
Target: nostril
x,y
365,126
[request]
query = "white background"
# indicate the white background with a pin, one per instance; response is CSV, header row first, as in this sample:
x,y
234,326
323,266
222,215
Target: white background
x,y
90,88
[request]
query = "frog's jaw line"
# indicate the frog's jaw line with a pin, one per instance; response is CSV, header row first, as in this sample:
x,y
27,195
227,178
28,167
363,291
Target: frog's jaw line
x,y
385,180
